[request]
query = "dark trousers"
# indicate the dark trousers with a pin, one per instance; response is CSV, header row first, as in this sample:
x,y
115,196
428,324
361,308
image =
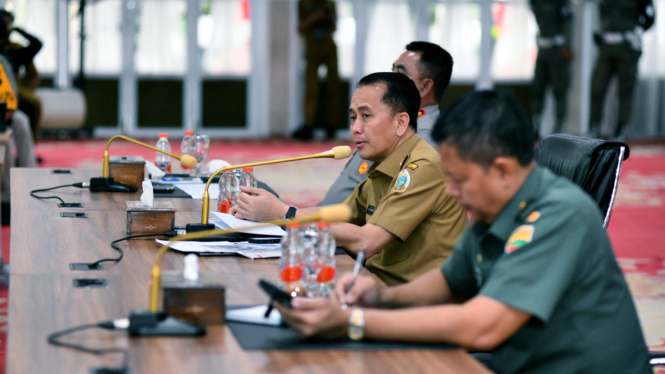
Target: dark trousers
x,y
317,55
553,70
618,59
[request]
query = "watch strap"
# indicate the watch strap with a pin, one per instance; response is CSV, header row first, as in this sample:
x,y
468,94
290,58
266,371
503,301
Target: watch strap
x,y
291,213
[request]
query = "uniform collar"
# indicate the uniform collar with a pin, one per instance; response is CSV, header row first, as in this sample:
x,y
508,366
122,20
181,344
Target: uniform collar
x,y
504,224
393,163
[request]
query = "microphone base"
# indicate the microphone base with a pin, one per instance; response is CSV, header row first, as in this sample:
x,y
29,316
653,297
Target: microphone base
x,y
197,227
102,184
145,323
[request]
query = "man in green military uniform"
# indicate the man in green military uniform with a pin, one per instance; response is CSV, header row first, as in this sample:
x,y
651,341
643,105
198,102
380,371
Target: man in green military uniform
x,y
316,22
533,278
619,49
553,62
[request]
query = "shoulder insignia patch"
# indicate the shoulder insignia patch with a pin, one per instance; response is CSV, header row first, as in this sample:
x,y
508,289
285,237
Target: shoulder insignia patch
x,y
533,217
403,180
421,112
520,237
412,166
363,168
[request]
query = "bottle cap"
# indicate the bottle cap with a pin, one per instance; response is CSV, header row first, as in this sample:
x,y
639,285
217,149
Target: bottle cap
x,y
249,168
163,135
189,132
323,224
293,225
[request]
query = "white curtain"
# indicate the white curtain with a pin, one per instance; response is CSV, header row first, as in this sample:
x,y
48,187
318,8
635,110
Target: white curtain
x,y
226,37
390,30
456,28
161,37
515,48
38,18
345,38
103,39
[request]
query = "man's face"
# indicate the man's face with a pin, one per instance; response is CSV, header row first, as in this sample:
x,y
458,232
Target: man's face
x,y
407,63
373,128
477,189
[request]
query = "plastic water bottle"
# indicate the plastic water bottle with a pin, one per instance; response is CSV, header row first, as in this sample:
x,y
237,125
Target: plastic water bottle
x,y
248,177
232,187
309,237
163,161
187,147
290,262
325,250
223,204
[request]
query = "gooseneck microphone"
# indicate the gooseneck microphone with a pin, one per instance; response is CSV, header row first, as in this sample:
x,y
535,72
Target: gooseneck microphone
x,y
107,184
338,153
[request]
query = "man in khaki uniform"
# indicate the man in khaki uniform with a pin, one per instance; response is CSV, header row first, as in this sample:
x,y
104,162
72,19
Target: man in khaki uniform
x,y
404,195
402,217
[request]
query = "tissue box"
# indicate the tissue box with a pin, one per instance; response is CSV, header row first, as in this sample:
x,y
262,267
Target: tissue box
x,y
143,219
200,302
127,169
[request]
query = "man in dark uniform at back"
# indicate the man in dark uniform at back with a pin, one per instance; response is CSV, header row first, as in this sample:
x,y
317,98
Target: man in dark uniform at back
x,y
553,62
622,24
533,278
316,22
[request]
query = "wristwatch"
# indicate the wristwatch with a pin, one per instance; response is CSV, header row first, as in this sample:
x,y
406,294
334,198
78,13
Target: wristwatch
x,y
291,213
356,329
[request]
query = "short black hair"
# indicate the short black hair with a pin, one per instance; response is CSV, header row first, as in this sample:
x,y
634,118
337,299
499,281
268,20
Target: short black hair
x,y
484,125
401,94
435,63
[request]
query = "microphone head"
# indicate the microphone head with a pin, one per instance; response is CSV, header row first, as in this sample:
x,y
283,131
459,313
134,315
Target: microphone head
x,y
342,151
335,213
189,161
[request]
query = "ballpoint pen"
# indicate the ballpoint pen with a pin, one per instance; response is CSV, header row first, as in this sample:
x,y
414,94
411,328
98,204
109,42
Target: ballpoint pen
x,y
356,269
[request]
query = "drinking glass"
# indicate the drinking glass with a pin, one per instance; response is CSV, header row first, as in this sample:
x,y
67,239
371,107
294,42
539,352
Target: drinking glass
x,y
201,148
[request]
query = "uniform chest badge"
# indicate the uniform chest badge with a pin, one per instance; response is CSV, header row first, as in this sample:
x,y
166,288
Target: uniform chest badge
x,y
362,169
533,217
421,112
403,181
520,237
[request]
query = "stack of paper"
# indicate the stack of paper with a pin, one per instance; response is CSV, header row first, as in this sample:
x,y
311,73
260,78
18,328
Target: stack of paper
x,y
249,250
228,221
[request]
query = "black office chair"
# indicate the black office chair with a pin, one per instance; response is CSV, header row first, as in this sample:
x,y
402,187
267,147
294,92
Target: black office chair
x,y
592,164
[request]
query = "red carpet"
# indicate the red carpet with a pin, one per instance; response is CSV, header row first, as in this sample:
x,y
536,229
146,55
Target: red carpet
x,y
635,229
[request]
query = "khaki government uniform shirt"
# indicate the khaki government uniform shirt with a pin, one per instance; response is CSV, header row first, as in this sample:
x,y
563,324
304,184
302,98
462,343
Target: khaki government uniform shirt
x,y
405,195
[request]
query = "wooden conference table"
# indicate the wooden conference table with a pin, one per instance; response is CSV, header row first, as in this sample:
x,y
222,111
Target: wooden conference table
x,y
42,298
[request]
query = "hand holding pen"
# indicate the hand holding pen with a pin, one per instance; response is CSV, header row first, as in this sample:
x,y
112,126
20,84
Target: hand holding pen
x,y
356,270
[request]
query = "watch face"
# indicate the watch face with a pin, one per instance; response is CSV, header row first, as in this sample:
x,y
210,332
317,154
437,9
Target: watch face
x,y
356,332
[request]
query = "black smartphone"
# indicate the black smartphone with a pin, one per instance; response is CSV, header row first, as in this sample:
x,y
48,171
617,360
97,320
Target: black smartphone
x,y
260,240
61,171
163,188
276,293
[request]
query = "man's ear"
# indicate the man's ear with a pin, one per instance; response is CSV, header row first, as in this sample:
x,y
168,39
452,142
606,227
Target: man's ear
x,y
427,86
504,169
403,120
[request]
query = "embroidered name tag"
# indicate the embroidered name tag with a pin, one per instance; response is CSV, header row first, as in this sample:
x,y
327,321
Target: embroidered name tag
x,y
370,209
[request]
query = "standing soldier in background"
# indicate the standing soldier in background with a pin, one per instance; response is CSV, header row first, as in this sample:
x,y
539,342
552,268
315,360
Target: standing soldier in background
x,y
619,43
316,22
553,63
